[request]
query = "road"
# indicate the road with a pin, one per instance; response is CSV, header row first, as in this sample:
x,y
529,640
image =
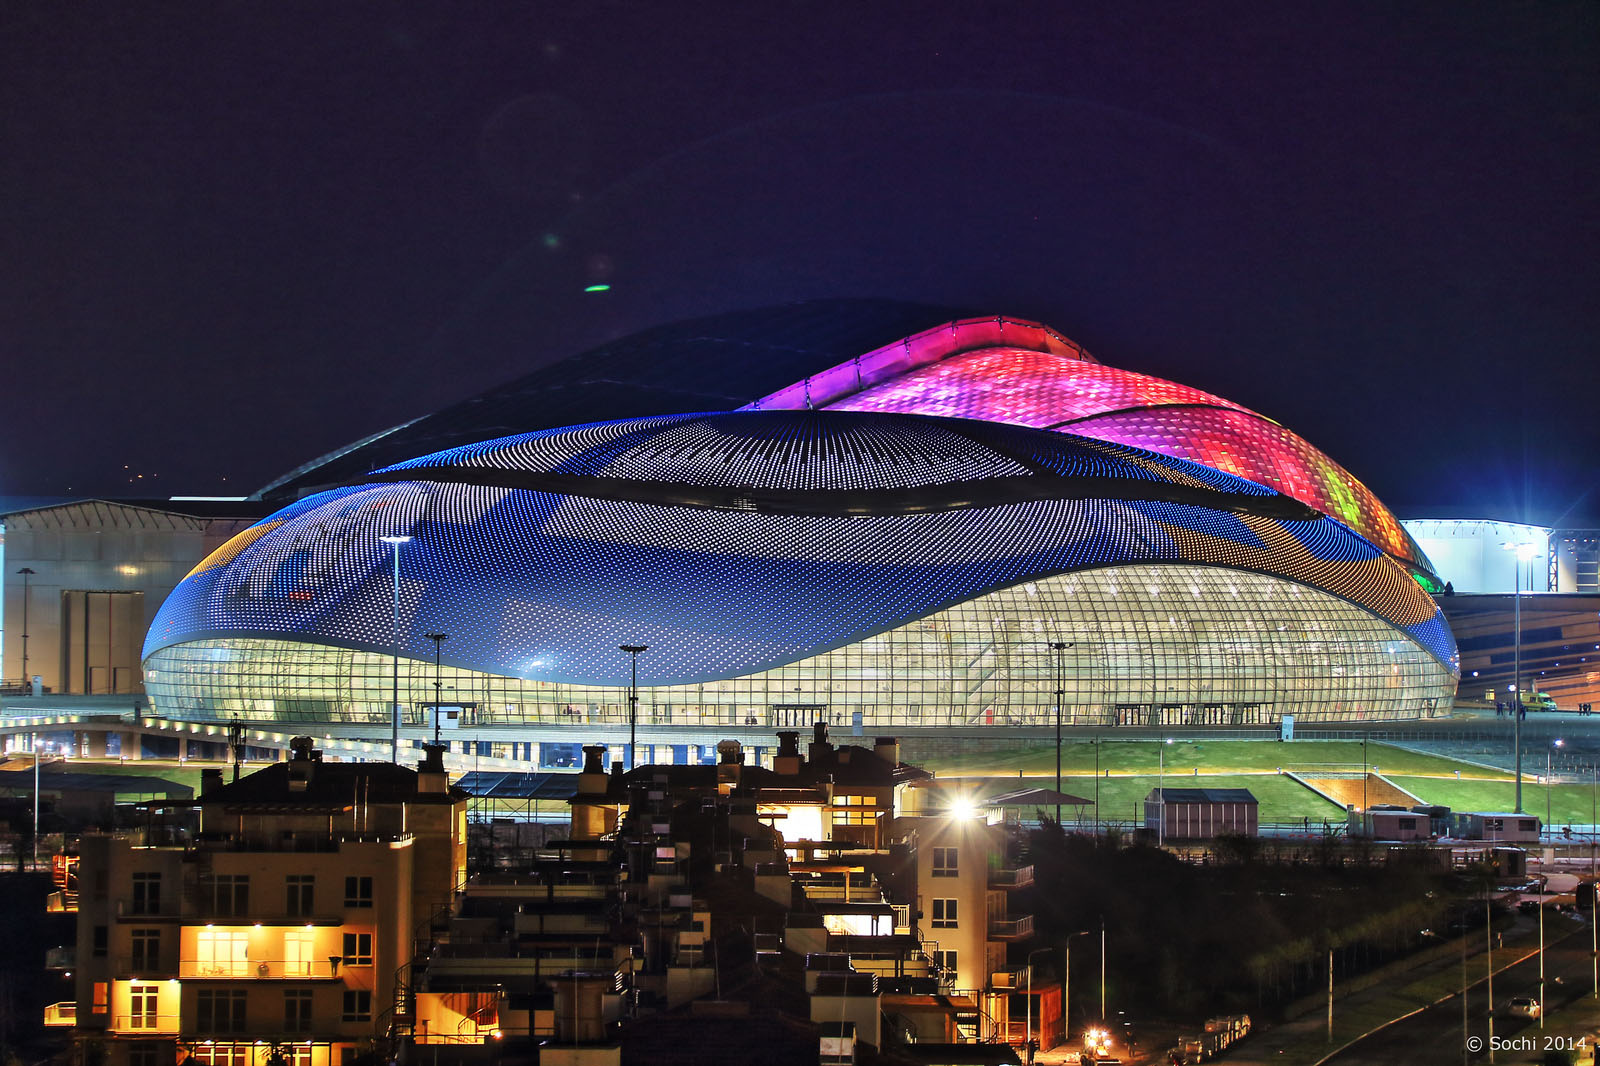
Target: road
x,y
1434,1035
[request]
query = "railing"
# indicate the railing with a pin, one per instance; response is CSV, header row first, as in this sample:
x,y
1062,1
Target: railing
x,y
1021,877
165,908
61,1013
266,969
139,1022
1011,928
61,958
62,902
294,842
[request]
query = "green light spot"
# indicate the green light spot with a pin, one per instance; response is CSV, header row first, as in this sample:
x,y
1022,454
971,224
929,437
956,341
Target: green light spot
x,y
597,288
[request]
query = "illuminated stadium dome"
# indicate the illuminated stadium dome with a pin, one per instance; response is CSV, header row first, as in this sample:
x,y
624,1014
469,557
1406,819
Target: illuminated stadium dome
x,y
785,566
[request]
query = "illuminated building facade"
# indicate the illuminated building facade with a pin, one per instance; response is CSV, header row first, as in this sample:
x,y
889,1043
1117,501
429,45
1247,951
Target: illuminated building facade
x,y
787,566
280,932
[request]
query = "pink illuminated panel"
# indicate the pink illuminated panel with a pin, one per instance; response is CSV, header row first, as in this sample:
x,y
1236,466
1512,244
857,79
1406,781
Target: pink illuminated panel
x,y
1022,387
1050,391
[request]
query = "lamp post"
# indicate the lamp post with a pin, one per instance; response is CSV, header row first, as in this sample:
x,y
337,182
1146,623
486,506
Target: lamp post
x,y
27,574
1161,792
633,699
1056,648
1522,553
1102,970
438,688
394,722
1066,988
1094,742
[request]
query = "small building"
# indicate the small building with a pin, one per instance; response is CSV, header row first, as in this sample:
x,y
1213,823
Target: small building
x,y
1390,822
1200,813
1495,825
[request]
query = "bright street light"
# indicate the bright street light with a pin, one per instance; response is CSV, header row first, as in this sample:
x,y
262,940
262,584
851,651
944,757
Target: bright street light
x,y
394,725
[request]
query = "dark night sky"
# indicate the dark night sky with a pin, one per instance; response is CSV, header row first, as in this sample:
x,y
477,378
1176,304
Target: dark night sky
x,y
234,236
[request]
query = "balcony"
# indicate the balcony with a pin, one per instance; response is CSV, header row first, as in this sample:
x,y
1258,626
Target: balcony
x,y
261,969
1018,928
61,1014
65,958
62,902
140,1023
1020,877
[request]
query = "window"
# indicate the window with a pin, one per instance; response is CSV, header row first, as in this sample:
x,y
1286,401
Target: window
x,y
226,895
358,949
150,1053
1406,823
219,1012
101,991
945,863
99,941
1527,825
142,1006
297,1012
944,914
357,1005
358,892
209,1054
299,952
298,895
146,950
146,894
945,960
221,953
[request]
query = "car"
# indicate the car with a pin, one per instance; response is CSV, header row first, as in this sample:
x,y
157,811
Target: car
x,y
1523,1007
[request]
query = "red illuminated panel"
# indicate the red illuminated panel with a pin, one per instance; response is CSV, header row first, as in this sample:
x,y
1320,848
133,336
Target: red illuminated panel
x,y
1019,386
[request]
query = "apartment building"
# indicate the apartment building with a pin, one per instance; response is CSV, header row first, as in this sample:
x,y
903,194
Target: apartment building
x,y
280,927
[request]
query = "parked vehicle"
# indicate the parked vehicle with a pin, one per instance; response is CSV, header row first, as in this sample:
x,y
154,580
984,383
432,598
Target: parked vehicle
x,y
1523,1007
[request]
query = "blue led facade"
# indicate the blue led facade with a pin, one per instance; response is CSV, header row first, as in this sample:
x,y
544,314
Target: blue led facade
x,y
736,543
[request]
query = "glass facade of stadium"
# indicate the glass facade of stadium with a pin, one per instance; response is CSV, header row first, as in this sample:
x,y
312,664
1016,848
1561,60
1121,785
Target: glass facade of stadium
x,y
1168,644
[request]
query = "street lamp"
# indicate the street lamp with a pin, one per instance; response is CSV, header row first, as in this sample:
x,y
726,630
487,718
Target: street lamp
x,y
1525,552
1161,792
394,723
1066,988
438,689
1056,648
633,699
27,573
1429,932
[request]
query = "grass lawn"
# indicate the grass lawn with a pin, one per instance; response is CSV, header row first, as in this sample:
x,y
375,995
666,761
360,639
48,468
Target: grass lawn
x,y
1122,798
1211,756
1568,803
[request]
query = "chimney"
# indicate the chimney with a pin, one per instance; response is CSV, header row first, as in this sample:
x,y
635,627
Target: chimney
x,y
820,753
431,775
887,749
303,759
730,765
210,781
788,760
592,781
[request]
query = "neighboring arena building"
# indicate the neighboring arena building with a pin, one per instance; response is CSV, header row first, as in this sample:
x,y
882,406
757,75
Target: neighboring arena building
x,y
785,565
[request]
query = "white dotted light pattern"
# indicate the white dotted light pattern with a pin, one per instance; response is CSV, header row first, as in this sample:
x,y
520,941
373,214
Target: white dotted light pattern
x,y
1170,644
545,586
